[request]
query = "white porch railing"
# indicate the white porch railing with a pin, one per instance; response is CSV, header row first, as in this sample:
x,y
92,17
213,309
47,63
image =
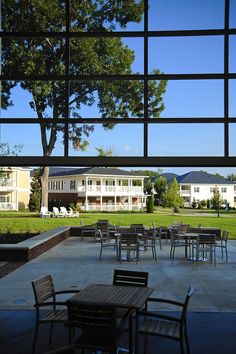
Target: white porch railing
x,y
7,206
6,184
110,189
111,207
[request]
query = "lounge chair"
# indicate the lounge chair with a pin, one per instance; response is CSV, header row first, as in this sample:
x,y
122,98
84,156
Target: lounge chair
x,y
56,213
44,213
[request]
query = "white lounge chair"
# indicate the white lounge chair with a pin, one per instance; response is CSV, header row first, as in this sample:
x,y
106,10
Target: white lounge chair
x,y
64,212
73,214
56,213
44,213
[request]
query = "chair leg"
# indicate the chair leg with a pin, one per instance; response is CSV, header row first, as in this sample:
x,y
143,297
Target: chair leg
x,y
100,254
35,337
181,346
50,335
226,254
186,340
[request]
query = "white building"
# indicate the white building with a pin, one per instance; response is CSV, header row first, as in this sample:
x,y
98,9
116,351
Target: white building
x,y
199,185
97,188
14,188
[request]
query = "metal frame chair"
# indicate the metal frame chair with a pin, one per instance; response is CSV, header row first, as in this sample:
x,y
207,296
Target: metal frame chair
x,y
222,244
204,244
45,298
162,325
129,242
98,326
107,242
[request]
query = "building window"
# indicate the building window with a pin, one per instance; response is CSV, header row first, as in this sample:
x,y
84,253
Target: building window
x,y
235,188
223,190
196,189
83,182
72,184
234,199
184,188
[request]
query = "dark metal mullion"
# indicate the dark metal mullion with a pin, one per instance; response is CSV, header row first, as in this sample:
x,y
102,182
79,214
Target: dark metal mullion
x,y
170,33
55,77
67,79
121,161
145,96
226,80
134,120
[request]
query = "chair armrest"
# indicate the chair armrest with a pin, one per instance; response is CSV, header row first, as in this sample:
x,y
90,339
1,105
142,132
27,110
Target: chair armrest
x,y
158,315
171,302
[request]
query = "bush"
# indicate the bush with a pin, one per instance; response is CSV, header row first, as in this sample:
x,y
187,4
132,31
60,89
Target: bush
x,y
150,204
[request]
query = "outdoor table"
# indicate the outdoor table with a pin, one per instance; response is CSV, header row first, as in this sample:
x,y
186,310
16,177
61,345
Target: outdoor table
x,y
130,297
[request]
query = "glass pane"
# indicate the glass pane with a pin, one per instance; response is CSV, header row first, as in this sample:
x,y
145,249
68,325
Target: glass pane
x,y
232,54
33,99
232,14
95,56
28,137
29,16
121,140
186,140
193,98
232,139
186,55
185,14
106,99
33,56
100,16
232,98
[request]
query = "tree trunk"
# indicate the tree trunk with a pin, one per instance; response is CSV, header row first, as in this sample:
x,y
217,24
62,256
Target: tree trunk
x,y
44,186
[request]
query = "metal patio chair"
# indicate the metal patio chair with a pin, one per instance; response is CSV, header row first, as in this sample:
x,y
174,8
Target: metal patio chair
x,y
151,323
45,299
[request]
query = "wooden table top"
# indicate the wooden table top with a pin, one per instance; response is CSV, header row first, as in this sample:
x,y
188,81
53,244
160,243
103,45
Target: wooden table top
x,y
121,296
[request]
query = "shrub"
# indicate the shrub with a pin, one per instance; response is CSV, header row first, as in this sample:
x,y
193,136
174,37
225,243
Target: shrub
x,y
150,204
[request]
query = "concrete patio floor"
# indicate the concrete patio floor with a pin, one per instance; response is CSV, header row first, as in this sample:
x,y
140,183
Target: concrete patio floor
x,y
75,264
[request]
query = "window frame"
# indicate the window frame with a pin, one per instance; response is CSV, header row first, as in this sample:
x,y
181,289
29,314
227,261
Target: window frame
x,y
123,161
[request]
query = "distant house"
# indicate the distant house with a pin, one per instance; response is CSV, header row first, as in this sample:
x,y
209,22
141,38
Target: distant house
x,y
97,188
199,185
14,188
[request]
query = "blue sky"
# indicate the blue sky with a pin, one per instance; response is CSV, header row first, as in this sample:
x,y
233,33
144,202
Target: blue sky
x,y
197,98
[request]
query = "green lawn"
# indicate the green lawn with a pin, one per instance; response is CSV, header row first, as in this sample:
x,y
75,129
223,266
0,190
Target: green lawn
x,y
29,222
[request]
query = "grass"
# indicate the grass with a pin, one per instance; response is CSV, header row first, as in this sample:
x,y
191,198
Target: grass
x,y
16,222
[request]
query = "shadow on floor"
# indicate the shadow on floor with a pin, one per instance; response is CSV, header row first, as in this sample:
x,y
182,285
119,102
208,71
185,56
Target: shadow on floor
x,y
208,332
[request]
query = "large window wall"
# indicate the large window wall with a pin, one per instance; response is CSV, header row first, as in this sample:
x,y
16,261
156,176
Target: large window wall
x,y
54,89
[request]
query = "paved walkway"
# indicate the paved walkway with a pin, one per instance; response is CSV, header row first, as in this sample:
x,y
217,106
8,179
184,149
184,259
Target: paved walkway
x,y
75,264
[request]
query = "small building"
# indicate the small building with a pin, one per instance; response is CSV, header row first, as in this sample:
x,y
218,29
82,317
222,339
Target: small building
x,y
97,188
14,188
198,185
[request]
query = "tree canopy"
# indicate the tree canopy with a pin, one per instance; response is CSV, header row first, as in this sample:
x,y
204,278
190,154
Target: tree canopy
x,y
171,197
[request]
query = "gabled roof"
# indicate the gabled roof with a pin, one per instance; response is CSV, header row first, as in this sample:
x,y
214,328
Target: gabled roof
x,y
200,177
94,171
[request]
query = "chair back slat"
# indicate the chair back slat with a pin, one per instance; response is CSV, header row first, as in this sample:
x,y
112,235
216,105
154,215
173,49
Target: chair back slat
x,y
130,278
207,239
43,288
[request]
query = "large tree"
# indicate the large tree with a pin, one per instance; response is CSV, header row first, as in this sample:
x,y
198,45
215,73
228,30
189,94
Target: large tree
x,y
160,187
171,197
87,56
217,200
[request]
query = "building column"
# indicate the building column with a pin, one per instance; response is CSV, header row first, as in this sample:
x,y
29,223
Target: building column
x,y
17,190
115,194
86,197
101,205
